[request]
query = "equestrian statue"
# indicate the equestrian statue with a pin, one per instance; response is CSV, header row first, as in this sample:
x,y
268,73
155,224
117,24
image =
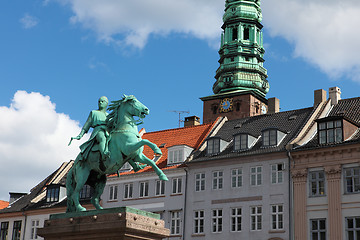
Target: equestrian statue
x,y
114,141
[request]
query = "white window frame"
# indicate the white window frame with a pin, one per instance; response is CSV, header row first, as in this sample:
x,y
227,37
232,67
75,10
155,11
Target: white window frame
x,y
217,220
199,219
256,218
319,231
113,192
200,182
277,217
352,174
176,185
35,224
159,188
241,142
236,177
143,189
354,230
175,222
128,190
277,176
317,182
218,180
270,137
236,220
256,176
213,146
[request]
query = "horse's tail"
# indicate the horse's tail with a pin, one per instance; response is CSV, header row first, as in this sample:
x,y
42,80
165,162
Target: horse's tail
x,y
70,187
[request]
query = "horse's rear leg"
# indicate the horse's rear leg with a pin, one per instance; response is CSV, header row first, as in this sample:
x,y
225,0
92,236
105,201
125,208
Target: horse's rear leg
x,y
143,159
98,190
81,175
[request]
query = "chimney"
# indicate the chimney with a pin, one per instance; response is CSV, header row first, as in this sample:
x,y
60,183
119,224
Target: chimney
x,y
334,95
191,121
319,96
15,196
273,105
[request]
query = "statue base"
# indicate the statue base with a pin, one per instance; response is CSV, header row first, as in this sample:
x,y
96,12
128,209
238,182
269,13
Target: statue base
x,y
108,224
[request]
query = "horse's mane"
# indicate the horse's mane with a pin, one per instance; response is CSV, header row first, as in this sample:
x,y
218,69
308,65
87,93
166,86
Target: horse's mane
x,y
111,119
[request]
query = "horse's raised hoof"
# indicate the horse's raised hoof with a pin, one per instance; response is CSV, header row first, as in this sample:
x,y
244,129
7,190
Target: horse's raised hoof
x,y
163,177
80,208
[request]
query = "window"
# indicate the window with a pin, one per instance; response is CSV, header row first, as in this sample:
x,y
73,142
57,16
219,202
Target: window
x,y
86,192
34,227
256,218
234,34
217,220
352,180
199,221
317,183
236,178
199,182
256,176
246,33
277,173
175,221
113,193
213,146
241,142
160,188
318,229
236,219
52,194
277,217
353,228
144,189
176,156
330,132
269,137
176,185
128,190
217,180
4,230
16,230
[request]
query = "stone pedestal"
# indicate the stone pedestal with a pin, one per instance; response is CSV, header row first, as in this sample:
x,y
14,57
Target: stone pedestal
x,y
107,224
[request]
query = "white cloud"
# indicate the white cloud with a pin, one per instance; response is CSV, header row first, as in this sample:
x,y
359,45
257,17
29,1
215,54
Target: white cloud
x,y
131,22
324,33
33,141
28,21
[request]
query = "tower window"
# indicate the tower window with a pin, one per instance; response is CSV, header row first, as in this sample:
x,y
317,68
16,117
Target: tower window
x,y
246,33
214,109
237,106
232,59
234,34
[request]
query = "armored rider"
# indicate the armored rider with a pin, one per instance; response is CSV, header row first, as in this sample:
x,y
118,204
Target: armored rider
x,y
96,120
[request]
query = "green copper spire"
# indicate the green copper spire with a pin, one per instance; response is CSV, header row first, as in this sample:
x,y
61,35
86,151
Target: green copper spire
x,y
241,52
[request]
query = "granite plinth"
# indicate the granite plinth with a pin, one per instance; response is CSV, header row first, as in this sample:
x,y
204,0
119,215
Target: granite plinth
x,y
108,224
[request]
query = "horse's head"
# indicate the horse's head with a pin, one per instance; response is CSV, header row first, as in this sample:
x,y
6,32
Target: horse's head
x,y
134,107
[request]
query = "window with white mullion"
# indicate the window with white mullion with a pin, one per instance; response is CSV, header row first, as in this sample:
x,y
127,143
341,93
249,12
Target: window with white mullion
x,y
256,176
256,218
160,188
277,173
318,229
317,183
199,182
113,193
217,180
175,222
128,190
236,219
199,218
144,189
217,220
277,217
176,185
34,227
353,228
236,178
352,180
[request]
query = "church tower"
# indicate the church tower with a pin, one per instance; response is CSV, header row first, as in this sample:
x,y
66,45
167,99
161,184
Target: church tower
x,y
241,80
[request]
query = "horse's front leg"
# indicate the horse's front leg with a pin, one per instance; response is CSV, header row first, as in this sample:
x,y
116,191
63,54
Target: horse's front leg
x,y
143,159
130,148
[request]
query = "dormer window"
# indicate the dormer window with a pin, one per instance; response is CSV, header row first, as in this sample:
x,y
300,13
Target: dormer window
x,y
54,193
86,192
272,137
178,154
330,132
213,146
243,141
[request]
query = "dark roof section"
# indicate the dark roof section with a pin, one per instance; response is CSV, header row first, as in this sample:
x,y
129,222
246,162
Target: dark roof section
x,y
289,122
349,109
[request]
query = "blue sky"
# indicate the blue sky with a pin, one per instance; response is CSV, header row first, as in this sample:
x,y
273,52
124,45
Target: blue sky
x,y
57,57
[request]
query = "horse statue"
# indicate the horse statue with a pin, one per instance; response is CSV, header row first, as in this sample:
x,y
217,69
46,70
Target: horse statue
x,y
124,145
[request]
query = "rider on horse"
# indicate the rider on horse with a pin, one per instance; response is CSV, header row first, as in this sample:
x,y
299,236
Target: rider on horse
x,y
96,120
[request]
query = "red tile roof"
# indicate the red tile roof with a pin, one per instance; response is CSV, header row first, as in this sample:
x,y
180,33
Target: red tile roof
x,y
191,136
3,204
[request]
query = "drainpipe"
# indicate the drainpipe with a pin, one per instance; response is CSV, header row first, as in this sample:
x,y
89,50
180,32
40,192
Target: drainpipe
x,y
291,215
185,194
